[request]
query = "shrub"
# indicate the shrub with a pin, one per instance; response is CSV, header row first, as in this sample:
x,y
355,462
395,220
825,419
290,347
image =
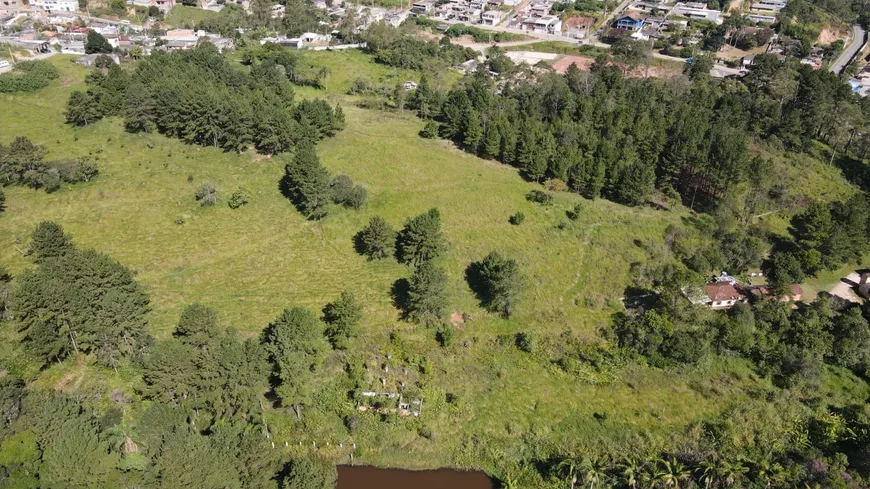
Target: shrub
x,y
445,335
28,76
239,198
556,185
344,192
357,198
430,130
2,201
540,197
526,342
517,218
377,240
575,213
206,193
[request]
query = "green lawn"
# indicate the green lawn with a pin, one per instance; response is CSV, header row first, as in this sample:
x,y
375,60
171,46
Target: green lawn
x,y
184,16
250,263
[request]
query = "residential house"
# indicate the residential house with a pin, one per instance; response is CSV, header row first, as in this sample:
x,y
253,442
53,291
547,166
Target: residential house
x,y
548,24
761,19
773,5
723,294
470,15
89,59
491,17
578,26
423,7
162,5
631,21
9,7
55,5
694,10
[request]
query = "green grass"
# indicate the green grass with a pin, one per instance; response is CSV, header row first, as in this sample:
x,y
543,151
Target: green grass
x,y
250,263
184,16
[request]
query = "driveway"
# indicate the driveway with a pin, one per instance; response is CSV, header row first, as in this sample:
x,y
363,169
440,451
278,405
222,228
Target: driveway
x,y
844,288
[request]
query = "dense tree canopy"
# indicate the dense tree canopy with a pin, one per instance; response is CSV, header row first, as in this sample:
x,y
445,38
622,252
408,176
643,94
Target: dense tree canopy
x,y
200,98
79,300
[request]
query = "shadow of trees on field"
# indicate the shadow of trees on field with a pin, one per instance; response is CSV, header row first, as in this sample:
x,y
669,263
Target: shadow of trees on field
x,y
399,296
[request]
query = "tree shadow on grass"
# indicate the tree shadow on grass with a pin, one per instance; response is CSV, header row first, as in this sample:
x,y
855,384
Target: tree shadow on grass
x,y
474,277
399,296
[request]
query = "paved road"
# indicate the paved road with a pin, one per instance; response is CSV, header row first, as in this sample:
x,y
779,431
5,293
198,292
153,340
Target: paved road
x,y
857,43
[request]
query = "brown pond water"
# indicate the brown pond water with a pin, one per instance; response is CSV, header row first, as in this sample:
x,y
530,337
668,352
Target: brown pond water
x,y
358,477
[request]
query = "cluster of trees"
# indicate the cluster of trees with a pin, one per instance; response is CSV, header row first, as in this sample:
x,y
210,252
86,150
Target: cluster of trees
x,y
23,163
823,237
497,281
50,440
294,66
308,185
622,139
197,96
773,442
78,301
28,76
203,424
397,47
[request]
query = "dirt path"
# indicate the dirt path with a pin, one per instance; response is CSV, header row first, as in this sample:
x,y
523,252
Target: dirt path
x,y
577,276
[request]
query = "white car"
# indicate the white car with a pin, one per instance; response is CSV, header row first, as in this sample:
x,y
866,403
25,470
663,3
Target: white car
x,y
4,64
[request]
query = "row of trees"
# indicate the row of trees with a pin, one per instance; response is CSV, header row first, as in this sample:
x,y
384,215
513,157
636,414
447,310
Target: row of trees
x,y
622,138
23,163
198,97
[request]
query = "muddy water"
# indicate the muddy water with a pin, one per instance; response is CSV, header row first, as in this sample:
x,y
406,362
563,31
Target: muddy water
x,y
356,477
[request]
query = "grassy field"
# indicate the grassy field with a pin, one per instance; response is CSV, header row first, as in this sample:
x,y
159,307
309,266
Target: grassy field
x,y
184,16
250,263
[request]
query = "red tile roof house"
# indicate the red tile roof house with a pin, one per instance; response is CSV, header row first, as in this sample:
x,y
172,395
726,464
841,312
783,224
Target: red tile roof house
x,y
723,295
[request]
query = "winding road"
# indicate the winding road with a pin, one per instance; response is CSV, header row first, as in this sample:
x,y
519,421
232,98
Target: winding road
x,y
857,43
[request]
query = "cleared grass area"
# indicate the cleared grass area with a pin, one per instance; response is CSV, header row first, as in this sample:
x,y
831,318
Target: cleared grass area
x,y
559,47
250,263
184,16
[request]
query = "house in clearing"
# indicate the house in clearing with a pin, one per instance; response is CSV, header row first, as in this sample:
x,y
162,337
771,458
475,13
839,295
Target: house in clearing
x,y
723,295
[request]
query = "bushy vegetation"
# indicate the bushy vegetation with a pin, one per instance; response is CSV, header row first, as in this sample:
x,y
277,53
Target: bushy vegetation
x,y
394,47
23,163
197,96
28,76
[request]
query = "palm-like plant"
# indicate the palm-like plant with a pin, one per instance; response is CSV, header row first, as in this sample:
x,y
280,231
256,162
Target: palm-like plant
x,y
671,473
568,468
707,471
630,472
732,472
593,468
